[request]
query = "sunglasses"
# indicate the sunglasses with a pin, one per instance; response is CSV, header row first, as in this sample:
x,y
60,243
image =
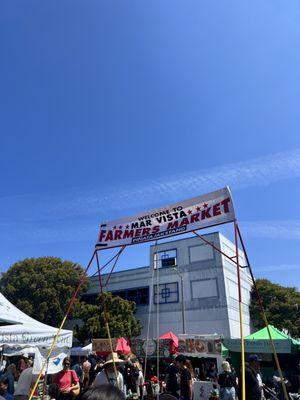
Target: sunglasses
x,y
66,364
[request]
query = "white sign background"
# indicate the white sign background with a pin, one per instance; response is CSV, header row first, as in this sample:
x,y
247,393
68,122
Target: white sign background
x,y
211,209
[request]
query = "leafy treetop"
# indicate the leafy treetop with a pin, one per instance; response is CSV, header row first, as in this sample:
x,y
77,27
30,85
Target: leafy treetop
x,y
282,306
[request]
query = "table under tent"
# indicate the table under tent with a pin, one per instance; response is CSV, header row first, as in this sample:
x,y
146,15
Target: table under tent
x,y
23,335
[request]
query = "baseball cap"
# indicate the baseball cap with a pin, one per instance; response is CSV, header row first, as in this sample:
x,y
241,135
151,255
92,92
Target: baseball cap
x,y
254,357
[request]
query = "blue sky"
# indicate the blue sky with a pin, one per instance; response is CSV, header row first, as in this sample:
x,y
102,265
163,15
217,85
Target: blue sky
x,y
113,107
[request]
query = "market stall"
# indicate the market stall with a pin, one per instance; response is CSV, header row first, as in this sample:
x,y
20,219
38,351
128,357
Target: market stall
x,y
287,349
21,334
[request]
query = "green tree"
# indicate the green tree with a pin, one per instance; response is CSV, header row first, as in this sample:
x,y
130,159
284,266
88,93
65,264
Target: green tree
x,y
282,306
120,314
42,287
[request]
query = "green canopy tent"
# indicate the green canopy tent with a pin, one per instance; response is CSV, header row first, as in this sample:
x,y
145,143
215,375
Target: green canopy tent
x,y
259,342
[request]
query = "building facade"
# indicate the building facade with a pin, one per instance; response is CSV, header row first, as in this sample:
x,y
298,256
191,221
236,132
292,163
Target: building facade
x,y
188,288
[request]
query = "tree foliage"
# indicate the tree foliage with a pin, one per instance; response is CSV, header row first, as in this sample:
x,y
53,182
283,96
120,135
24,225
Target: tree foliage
x,y
120,315
282,306
42,287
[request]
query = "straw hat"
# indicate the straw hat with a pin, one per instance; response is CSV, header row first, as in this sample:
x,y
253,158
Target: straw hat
x,y
113,358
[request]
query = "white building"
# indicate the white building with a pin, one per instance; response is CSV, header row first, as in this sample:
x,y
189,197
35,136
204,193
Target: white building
x,y
209,283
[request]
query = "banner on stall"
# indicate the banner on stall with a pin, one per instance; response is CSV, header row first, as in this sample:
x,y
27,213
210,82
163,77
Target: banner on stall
x,y
141,347
55,362
198,346
103,345
259,345
200,212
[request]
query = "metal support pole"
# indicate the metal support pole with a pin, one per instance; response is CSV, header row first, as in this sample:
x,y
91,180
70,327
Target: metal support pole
x,y
240,311
261,306
183,306
182,300
71,303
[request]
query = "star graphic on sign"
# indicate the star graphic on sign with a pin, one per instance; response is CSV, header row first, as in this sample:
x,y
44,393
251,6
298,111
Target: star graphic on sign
x,y
120,227
115,227
205,205
190,212
127,226
198,208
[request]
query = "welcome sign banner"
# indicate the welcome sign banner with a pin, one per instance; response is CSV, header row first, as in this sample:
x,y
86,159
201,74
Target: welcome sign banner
x,y
197,213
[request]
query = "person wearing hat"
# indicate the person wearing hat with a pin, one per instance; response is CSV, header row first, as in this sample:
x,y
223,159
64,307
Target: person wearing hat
x,y
252,386
110,373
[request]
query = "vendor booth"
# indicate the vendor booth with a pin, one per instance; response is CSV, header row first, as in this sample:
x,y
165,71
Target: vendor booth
x,y
287,348
21,334
103,346
259,342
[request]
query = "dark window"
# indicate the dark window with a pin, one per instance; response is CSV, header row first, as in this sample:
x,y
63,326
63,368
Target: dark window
x,y
90,298
166,293
165,259
139,295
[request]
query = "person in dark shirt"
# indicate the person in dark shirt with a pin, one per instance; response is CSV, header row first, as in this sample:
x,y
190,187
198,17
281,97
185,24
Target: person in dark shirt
x,y
212,373
253,389
227,382
186,391
93,361
172,386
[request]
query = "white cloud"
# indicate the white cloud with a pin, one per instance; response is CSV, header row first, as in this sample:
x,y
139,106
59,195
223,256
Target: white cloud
x,y
272,229
274,268
84,201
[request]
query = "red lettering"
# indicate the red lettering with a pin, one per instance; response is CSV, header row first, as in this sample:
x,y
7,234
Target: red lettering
x,y
195,218
118,234
109,236
137,232
216,210
172,225
225,204
184,221
205,213
101,235
155,229
128,234
146,231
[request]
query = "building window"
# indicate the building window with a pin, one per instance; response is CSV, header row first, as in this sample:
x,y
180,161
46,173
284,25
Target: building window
x,y
139,295
166,293
165,259
204,288
90,298
201,252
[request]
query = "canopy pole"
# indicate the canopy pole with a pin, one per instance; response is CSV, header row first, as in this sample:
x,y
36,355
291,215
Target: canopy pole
x,y
71,303
240,310
105,309
262,310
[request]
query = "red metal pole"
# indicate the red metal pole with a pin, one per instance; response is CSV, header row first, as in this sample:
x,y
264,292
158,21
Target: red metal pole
x,y
261,306
216,248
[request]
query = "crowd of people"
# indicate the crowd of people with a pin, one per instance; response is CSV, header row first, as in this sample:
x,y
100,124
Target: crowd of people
x,y
116,378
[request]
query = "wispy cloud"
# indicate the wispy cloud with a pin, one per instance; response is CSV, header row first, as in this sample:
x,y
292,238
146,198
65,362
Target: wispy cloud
x,y
272,229
82,201
274,268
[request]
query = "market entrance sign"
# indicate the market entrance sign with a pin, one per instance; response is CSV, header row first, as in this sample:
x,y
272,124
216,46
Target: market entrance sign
x,y
200,212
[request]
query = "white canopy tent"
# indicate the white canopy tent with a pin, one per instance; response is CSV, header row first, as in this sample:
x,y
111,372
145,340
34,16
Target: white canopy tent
x,y
21,334
81,351
20,330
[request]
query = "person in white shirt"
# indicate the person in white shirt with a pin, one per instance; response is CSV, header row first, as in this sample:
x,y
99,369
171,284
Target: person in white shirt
x,y
24,384
108,373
